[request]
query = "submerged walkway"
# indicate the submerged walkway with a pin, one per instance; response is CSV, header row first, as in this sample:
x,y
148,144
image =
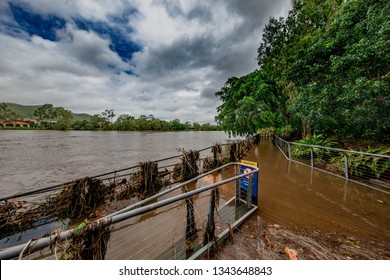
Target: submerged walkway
x,y
300,197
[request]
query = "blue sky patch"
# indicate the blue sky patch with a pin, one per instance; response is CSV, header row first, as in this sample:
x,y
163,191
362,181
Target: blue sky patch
x,y
120,41
35,24
46,26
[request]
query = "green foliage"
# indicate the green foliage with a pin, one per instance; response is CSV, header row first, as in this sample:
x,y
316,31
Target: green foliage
x,y
64,118
5,113
342,75
316,140
249,104
365,165
21,111
46,111
126,122
108,114
27,111
323,69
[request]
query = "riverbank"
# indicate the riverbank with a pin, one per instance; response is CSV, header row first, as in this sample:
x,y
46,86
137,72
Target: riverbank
x,y
258,240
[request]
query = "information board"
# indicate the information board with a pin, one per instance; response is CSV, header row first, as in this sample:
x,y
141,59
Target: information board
x,y
244,181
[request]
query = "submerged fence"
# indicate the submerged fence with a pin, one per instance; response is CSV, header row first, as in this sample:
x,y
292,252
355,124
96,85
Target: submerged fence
x,y
372,170
58,208
187,224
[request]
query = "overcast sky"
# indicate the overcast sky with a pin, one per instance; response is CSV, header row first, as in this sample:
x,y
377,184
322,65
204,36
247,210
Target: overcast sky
x,y
165,58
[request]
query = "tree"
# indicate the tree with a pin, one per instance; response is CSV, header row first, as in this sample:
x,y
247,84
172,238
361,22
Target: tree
x,y
108,114
125,122
5,113
343,75
64,118
98,121
177,125
325,68
249,104
46,111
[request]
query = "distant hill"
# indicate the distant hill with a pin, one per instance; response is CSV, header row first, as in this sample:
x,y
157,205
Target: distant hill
x,y
27,111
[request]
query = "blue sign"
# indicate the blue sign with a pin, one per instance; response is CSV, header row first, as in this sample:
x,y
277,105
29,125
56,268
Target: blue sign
x,y
244,181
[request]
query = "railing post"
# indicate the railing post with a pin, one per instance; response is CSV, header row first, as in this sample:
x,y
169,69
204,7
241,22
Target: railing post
x,y
289,150
237,185
312,158
249,194
346,166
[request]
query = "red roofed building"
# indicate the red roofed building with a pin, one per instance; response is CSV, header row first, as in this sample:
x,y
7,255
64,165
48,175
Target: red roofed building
x,y
14,124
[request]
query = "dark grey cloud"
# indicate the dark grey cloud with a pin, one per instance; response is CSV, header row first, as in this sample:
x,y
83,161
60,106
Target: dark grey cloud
x,y
209,93
183,53
165,58
174,9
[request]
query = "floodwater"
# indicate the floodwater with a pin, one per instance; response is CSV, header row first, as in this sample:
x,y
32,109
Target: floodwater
x,y
300,197
33,159
290,194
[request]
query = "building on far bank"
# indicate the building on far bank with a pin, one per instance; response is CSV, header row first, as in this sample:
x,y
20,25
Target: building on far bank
x,y
47,123
14,124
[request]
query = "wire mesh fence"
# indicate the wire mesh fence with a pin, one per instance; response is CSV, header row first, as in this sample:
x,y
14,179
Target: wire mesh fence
x,y
371,169
60,207
177,225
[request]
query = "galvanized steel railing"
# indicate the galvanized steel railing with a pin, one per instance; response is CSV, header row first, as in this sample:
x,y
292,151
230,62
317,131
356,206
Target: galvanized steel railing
x,y
39,212
167,240
372,170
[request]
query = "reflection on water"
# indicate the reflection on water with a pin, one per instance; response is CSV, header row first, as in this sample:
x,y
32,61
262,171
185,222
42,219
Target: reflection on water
x,y
295,195
34,159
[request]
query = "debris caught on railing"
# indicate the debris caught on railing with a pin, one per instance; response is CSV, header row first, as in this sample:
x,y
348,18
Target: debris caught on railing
x,y
191,232
93,197
149,179
76,200
209,234
88,242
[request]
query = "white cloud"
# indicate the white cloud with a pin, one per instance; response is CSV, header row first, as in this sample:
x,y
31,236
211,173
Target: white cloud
x,y
90,9
88,48
189,49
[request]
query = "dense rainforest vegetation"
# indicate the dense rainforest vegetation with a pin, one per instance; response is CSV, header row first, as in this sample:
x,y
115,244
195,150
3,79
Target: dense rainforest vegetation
x,y
324,69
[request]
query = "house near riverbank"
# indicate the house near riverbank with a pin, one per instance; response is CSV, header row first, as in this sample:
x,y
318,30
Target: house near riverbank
x,y
14,124
47,123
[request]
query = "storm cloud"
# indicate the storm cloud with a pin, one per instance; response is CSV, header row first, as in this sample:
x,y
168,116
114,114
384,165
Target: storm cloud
x,y
165,58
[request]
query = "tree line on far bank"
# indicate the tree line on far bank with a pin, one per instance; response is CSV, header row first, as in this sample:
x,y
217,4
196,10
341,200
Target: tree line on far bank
x,y
127,122
58,118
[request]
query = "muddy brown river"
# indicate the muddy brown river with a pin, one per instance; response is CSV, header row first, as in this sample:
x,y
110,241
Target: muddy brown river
x,y
290,194
297,196
33,159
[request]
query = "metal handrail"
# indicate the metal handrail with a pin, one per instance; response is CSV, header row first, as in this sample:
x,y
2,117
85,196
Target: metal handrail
x,y
344,170
332,149
38,244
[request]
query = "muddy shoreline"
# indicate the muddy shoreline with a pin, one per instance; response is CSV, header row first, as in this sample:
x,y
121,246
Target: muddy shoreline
x,y
258,240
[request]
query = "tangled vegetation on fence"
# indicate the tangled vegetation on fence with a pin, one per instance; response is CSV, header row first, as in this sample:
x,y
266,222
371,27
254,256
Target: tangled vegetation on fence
x,y
89,241
89,198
